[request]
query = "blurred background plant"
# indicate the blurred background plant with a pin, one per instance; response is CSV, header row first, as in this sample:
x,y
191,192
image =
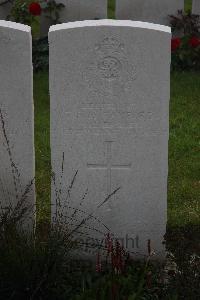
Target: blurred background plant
x,y
40,54
185,23
24,12
51,10
186,47
28,12
186,53
36,264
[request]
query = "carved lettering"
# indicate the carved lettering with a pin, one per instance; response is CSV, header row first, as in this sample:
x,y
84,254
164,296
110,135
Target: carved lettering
x,y
102,118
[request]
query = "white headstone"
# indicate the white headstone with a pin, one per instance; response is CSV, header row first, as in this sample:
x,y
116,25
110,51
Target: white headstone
x,y
78,10
16,117
110,90
153,11
196,7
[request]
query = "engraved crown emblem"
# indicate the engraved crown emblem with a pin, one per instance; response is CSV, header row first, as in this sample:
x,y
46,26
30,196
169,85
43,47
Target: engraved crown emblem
x,y
109,44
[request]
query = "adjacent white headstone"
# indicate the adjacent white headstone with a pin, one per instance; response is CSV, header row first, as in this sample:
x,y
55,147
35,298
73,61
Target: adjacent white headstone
x,y
77,10
16,117
153,11
110,90
196,7
4,10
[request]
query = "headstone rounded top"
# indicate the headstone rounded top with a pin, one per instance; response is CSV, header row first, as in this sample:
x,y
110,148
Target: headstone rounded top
x,y
16,26
106,22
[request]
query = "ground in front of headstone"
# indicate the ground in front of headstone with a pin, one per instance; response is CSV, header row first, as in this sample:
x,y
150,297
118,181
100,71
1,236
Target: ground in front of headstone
x,y
43,268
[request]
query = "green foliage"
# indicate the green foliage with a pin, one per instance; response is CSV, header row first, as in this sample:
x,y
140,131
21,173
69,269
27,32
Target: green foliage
x,y
186,57
51,10
186,23
141,280
39,265
186,54
182,245
111,9
40,54
177,279
36,266
19,12
188,5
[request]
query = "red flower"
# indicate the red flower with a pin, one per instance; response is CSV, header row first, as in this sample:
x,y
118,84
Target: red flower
x,y
108,243
35,9
194,42
98,264
117,258
175,43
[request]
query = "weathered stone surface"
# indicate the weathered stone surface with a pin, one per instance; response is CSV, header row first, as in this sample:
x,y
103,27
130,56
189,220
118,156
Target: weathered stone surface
x,y
110,89
78,10
153,11
16,119
196,7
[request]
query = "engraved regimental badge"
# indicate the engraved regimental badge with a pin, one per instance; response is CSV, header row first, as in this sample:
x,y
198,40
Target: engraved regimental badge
x,y
107,71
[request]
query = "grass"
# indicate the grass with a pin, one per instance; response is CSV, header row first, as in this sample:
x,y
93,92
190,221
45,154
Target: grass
x,y
42,142
188,5
184,169
111,9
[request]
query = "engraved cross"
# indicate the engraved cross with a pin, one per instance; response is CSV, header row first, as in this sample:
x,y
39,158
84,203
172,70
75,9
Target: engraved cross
x,y
109,166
